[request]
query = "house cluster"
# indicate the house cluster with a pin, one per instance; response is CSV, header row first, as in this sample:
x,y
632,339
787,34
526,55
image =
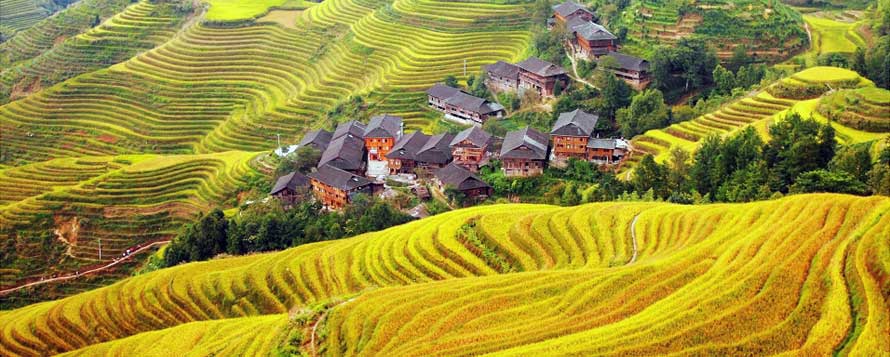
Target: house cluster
x,y
590,40
356,158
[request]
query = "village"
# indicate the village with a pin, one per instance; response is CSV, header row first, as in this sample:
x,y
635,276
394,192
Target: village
x,y
358,158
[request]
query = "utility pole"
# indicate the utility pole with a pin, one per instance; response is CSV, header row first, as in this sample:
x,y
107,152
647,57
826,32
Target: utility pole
x,y
279,139
100,249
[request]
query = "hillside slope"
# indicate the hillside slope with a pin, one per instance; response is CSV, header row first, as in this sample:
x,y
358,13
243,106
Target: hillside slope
x,y
805,274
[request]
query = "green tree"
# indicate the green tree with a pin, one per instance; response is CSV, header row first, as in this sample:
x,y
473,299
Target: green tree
x,y
615,94
704,171
679,168
724,80
879,179
827,181
649,175
854,160
451,81
646,111
739,58
797,146
302,160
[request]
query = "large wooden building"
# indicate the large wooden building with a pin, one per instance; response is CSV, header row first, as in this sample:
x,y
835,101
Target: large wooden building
x,y
461,179
471,148
416,153
334,188
570,135
568,10
541,76
380,135
347,149
591,40
317,139
502,76
462,107
524,153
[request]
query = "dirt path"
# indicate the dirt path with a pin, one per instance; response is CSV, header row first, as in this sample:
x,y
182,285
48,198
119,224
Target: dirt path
x,y
576,77
79,274
633,236
312,341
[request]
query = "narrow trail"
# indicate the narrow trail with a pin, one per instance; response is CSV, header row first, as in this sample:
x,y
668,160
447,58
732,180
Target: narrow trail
x,y
633,236
576,77
312,342
91,271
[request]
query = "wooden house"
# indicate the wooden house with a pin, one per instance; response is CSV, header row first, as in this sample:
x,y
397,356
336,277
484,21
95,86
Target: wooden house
x,y
346,153
380,135
502,76
607,151
570,136
568,10
524,153
291,188
461,179
541,76
435,153
633,70
403,155
462,107
471,148
591,40
334,188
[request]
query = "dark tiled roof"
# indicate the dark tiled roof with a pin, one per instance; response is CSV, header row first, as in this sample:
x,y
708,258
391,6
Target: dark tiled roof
x,y
345,152
602,143
475,135
525,143
436,150
575,123
407,147
292,181
458,177
540,67
338,178
567,8
318,139
590,31
384,126
473,104
631,63
502,69
352,127
440,90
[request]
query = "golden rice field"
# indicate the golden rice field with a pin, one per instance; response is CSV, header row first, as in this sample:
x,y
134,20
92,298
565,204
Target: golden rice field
x,y
802,275
217,87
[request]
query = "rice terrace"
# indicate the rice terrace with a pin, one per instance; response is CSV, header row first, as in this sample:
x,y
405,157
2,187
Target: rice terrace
x,y
445,178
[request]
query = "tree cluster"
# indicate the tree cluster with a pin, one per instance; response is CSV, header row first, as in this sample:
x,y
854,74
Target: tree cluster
x,y
267,227
801,156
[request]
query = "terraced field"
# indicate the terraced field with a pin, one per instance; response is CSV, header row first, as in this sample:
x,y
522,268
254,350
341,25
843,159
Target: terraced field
x,y
139,27
16,15
769,31
755,109
114,202
866,109
801,275
215,88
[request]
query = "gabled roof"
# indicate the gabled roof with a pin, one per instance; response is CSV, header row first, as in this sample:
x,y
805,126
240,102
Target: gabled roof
x,y
590,30
458,177
345,152
541,67
318,139
473,104
525,143
567,8
440,90
338,178
631,63
383,126
502,69
575,123
602,143
436,150
352,127
407,147
475,135
292,181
